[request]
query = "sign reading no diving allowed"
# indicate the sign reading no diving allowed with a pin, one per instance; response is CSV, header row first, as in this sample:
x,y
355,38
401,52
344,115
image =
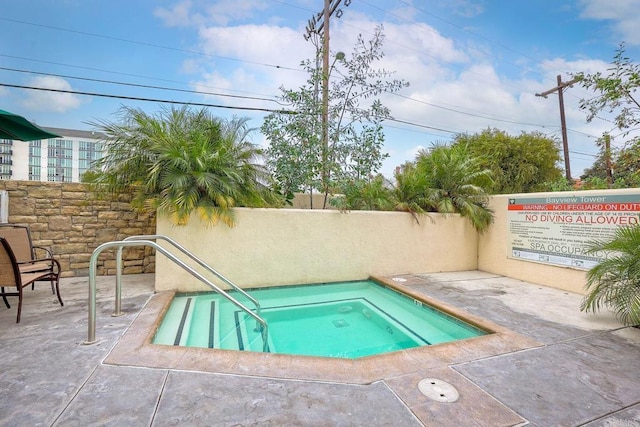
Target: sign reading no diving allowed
x,y
555,230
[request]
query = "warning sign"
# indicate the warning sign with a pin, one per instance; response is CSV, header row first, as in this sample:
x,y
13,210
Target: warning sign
x,y
555,230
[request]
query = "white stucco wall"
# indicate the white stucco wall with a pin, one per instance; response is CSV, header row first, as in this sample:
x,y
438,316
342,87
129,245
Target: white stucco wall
x,y
291,246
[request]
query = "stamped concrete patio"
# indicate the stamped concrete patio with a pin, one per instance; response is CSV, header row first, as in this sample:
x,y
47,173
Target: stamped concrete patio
x,y
549,365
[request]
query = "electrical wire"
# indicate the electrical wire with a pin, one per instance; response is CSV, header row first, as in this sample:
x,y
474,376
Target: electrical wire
x,y
470,47
175,49
135,98
250,62
119,73
270,65
139,85
428,28
470,114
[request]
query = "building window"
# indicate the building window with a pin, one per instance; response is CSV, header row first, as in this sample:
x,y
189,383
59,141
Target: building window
x,y
6,152
59,165
5,171
35,160
88,153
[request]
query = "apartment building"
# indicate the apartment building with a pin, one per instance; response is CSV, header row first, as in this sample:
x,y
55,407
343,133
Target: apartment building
x,y
63,159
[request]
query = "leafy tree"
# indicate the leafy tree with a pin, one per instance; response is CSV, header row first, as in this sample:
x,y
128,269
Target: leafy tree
x,y
625,164
298,157
518,164
561,184
446,179
615,282
617,91
599,167
181,161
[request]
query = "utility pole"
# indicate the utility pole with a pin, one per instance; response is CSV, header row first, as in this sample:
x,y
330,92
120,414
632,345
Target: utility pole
x,y
565,143
607,154
319,24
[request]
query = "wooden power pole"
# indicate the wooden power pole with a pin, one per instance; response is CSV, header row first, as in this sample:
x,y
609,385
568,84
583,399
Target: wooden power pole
x,y
607,154
319,24
565,143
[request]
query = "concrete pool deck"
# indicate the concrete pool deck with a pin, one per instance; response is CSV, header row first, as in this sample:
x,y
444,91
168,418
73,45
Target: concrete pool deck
x,y
549,364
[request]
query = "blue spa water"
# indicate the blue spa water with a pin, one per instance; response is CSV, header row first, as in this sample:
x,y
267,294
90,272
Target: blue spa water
x,y
349,320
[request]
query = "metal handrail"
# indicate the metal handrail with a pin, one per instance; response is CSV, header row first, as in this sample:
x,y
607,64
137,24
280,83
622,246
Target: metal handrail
x,y
196,259
91,335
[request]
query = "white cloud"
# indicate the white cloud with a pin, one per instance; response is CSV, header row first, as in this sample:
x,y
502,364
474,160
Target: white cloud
x,y
50,101
223,12
624,14
552,66
199,13
257,43
255,58
465,8
465,89
180,15
406,13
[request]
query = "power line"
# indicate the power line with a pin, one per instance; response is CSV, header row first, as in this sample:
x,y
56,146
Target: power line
x,y
584,154
275,66
418,125
423,53
461,28
426,27
399,121
175,49
135,98
537,60
118,73
471,114
138,85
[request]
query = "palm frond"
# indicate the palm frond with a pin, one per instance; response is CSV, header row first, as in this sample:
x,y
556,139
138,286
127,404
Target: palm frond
x,y
615,281
182,160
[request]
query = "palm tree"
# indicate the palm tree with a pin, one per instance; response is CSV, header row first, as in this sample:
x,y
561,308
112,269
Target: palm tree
x,y
615,281
181,161
446,179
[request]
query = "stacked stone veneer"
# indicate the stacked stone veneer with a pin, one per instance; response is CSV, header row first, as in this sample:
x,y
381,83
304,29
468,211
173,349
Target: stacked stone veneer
x,y
72,221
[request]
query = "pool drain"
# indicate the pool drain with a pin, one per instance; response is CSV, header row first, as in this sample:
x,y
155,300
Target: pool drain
x,y
340,323
438,390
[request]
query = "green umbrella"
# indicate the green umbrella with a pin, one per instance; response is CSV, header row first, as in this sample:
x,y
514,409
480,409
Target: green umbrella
x,y
13,126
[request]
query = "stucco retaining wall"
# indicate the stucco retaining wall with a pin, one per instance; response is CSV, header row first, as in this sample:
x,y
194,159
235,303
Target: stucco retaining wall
x,y
291,246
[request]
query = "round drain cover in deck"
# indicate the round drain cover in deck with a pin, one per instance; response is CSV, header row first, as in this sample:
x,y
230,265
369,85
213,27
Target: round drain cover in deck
x,y
438,390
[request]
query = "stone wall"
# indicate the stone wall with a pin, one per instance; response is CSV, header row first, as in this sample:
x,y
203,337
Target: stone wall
x,y
72,221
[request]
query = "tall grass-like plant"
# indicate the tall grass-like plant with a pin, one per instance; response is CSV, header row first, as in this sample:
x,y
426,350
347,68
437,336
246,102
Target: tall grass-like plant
x,y
615,282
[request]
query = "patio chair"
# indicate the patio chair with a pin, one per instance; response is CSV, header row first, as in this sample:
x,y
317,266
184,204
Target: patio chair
x,y
25,252
14,280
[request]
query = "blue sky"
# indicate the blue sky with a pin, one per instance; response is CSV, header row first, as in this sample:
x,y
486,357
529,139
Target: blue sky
x,y
471,64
